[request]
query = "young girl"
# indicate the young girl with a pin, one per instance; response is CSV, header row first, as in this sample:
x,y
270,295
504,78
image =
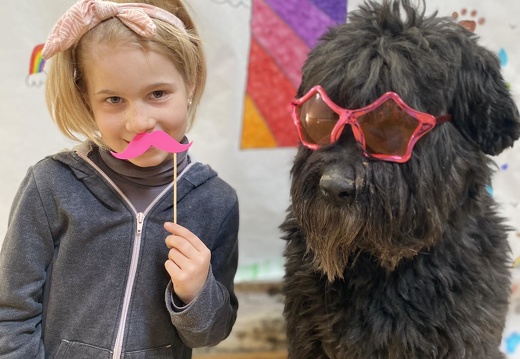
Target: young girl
x,y
92,265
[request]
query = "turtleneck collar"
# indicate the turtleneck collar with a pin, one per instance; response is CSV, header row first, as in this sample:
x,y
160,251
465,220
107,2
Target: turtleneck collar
x,y
141,185
154,176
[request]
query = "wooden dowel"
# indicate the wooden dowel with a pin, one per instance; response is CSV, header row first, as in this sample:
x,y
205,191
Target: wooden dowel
x,y
175,187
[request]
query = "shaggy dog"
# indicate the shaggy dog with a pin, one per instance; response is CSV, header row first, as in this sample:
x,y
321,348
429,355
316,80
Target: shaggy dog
x,y
400,259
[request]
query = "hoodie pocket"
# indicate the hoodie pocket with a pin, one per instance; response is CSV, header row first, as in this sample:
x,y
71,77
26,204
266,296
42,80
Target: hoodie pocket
x,y
165,352
76,350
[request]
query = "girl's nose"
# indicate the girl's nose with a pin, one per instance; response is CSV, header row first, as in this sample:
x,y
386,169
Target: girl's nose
x,y
139,120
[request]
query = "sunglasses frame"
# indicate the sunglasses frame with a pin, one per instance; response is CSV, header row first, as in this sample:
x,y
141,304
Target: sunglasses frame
x,y
426,122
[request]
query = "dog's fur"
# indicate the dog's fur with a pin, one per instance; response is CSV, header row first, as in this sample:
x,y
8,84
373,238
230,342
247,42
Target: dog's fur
x,y
401,261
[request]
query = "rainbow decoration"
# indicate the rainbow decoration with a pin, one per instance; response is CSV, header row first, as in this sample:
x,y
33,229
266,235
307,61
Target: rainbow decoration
x,y
37,61
282,33
516,262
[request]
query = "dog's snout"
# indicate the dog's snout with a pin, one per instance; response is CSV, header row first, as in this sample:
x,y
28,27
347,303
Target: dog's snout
x,y
337,185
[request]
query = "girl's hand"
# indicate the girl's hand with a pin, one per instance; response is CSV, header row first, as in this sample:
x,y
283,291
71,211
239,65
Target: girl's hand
x,y
188,262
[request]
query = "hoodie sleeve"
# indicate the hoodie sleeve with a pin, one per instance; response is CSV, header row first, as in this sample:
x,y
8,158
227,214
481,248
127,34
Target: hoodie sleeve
x,y
26,253
209,318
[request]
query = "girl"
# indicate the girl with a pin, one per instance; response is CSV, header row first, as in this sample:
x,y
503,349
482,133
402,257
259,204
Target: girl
x,y
92,266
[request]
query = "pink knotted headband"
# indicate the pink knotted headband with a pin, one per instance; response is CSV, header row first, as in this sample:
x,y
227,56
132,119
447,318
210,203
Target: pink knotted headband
x,y
86,14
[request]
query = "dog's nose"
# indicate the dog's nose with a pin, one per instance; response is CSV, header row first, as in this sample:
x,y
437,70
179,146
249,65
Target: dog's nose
x,y
337,185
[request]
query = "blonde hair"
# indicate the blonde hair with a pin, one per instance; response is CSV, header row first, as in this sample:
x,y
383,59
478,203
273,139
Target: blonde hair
x,y
66,88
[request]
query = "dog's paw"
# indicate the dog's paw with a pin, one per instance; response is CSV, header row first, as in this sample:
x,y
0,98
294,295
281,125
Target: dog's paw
x,y
469,23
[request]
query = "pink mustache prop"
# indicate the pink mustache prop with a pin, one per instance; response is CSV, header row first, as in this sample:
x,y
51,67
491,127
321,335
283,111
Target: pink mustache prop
x,y
143,141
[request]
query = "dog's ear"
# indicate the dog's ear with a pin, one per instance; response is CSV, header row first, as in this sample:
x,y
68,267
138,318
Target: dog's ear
x,y
483,109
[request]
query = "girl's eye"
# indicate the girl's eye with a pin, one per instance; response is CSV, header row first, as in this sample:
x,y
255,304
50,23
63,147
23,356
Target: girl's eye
x,y
157,94
114,99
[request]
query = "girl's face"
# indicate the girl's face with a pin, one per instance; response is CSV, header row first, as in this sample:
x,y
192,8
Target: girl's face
x,y
131,91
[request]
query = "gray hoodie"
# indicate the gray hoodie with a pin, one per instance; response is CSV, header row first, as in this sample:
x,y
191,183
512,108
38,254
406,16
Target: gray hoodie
x,y
82,274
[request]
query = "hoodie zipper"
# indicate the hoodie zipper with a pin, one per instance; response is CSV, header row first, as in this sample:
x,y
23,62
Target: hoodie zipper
x,y
129,286
140,217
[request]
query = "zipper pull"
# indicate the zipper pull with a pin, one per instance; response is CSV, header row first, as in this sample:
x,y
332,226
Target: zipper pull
x,y
140,220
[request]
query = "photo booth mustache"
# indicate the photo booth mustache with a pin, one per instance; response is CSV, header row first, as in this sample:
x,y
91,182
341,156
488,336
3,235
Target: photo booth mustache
x,y
143,141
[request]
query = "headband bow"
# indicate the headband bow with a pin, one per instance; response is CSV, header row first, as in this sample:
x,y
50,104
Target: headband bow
x,y
86,14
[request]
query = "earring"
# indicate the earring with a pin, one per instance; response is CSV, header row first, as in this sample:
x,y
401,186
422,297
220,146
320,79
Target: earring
x,y
189,103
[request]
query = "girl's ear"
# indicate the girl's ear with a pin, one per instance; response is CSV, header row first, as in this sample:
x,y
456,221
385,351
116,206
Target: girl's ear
x,y
483,108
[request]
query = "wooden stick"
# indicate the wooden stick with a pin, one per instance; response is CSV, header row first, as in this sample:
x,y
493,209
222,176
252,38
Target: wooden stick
x,y
175,187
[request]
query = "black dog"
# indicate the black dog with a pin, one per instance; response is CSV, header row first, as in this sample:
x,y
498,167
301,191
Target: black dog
x,y
388,257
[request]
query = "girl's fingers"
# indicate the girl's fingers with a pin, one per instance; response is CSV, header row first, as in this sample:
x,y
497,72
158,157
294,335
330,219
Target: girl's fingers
x,y
178,258
172,268
182,245
185,233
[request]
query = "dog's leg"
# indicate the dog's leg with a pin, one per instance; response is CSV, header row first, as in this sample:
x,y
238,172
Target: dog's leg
x,y
306,317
